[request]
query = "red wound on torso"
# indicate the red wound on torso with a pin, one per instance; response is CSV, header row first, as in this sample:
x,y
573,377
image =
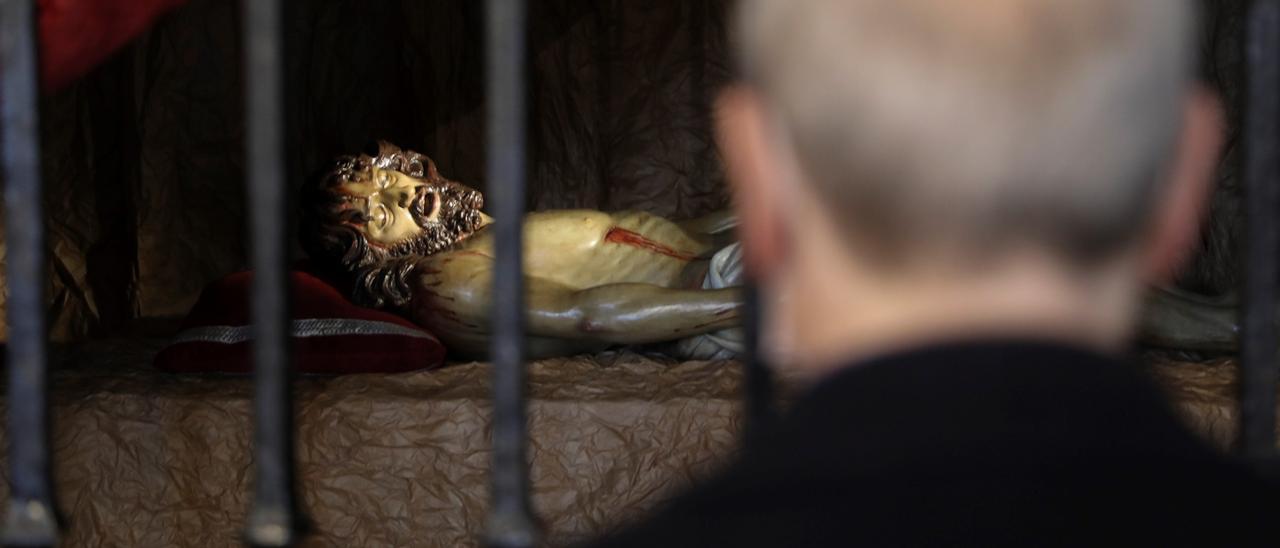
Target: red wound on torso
x,y
623,236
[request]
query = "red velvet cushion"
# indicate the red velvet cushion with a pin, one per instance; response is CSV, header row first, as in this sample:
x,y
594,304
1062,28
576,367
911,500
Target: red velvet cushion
x,y
329,333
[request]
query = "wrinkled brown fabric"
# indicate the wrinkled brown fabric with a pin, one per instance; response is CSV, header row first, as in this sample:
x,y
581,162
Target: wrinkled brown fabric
x,y
1206,395
150,459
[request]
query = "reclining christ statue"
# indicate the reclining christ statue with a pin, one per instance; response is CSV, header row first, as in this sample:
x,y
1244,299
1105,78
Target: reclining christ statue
x,y
417,243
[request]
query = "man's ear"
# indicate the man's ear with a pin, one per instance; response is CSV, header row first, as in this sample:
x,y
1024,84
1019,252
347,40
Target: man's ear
x,y
751,166
1183,205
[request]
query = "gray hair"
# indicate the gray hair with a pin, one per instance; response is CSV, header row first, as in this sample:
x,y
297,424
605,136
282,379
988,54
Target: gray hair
x,y
979,123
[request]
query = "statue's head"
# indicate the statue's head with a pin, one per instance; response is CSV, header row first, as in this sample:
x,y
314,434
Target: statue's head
x,y
368,209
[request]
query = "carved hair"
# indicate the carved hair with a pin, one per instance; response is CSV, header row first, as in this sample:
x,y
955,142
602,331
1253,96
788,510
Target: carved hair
x,y
330,229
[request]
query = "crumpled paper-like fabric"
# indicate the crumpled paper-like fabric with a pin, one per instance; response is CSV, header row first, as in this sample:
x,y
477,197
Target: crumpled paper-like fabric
x,y
150,459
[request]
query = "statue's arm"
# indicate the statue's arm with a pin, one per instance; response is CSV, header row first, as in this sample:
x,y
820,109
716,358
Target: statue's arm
x,y
1175,319
628,313
620,313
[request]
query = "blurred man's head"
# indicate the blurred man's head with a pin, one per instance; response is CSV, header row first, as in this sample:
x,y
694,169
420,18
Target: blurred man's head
x,y
933,149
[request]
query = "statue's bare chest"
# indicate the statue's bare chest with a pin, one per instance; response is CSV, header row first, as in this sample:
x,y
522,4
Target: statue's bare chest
x,y
584,248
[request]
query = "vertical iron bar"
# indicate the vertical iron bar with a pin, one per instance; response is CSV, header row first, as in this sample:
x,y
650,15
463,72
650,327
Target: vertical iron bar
x,y
510,522
31,519
273,520
758,378
1258,353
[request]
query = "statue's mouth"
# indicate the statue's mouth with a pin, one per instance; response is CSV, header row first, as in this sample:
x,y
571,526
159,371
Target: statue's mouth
x,y
448,214
425,207
447,204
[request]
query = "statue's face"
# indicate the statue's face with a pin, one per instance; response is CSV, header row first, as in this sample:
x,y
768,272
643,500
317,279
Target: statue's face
x,y
399,208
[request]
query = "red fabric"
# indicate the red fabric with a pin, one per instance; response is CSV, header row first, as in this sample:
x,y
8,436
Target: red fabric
x,y
76,35
226,303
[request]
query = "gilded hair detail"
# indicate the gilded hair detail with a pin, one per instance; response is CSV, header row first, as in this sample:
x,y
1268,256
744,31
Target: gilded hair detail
x,y
331,235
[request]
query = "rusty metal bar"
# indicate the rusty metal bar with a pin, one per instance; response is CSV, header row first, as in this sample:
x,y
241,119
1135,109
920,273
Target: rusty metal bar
x,y
510,522
31,519
274,519
1258,353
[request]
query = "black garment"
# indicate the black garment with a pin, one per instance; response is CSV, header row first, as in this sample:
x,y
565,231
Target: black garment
x,y
998,443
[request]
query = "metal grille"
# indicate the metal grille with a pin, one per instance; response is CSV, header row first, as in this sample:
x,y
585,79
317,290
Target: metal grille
x,y
510,522
30,519
274,519
1258,372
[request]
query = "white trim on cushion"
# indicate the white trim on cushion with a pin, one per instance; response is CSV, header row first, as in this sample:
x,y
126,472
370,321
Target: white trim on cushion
x,y
328,327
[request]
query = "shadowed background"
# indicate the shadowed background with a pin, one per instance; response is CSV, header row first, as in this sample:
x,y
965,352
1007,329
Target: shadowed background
x,y
143,157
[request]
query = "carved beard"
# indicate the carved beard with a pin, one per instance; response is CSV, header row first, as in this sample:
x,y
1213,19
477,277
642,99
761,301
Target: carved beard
x,y
448,213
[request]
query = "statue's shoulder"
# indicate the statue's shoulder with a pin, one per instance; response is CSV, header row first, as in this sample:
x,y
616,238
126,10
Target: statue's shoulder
x,y
453,270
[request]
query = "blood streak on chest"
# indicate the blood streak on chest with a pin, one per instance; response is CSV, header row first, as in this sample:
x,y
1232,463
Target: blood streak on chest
x,y
623,236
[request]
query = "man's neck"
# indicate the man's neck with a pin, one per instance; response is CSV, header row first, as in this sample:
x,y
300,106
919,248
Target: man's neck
x,y
830,315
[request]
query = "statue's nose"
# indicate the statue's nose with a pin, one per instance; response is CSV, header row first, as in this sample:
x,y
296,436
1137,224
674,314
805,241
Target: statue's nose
x,y
403,197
